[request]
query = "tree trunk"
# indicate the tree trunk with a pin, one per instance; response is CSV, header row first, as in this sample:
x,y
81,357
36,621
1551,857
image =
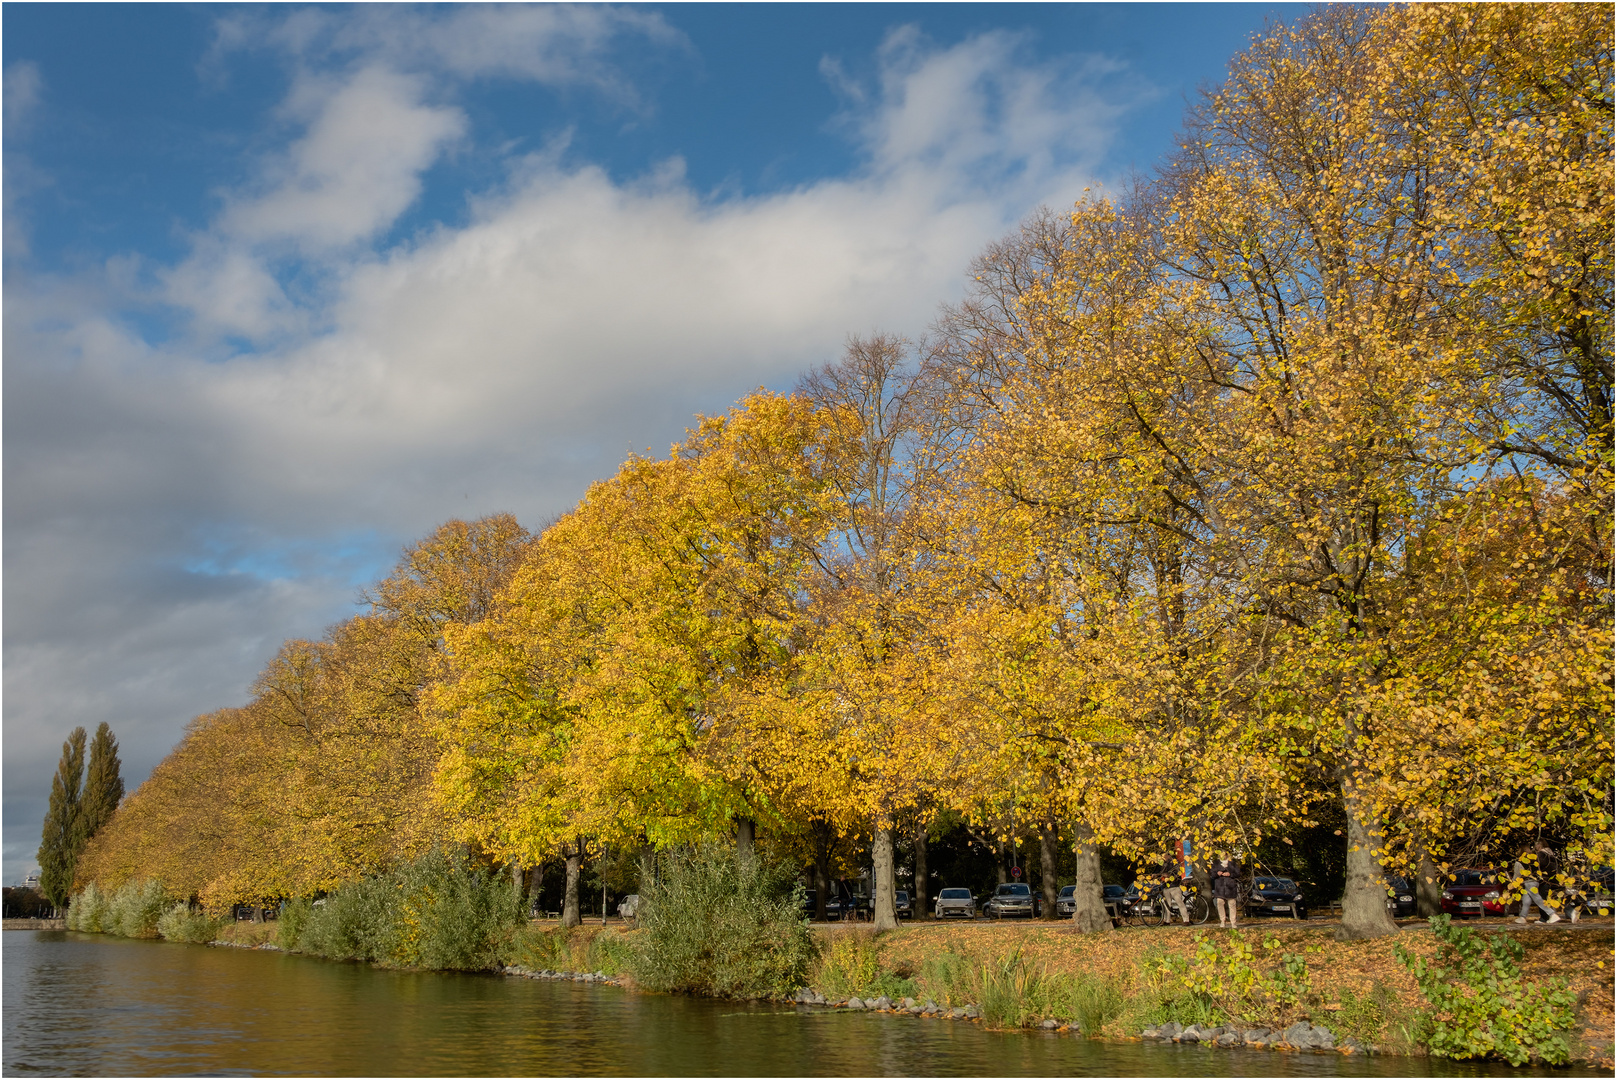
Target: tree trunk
x,y
884,912
822,886
1088,898
536,886
1428,887
1364,898
920,902
569,905
1047,869
746,837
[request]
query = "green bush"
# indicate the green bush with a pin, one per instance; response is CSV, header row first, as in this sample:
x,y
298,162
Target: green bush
x,y
181,923
135,909
89,910
438,912
716,924
1481,1006
294,919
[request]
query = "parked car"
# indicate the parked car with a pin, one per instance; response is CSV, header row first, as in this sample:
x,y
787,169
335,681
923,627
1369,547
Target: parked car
x,y
809,898
1011,899
955,904
1597,895
1400,897
901,903
1065,904
1277,896
629,906
1475,893
1118,899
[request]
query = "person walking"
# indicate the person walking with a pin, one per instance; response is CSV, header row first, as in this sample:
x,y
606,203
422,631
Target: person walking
x,y
1173,890
1534,865
1227,888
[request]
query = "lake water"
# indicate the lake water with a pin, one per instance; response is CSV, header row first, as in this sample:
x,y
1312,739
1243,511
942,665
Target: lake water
x,y
83,1004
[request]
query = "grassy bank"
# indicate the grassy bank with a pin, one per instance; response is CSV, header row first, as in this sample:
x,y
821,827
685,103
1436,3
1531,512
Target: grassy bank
x,y
1115,984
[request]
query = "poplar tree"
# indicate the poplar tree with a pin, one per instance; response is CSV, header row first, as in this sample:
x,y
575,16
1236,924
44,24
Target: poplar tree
x,y
60,844
103,783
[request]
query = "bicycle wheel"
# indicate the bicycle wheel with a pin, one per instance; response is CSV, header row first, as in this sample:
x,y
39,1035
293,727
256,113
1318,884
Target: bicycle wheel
x,y
1201,909
1160,914
1132,915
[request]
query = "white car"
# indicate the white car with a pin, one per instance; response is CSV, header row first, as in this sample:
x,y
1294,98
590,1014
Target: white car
x,y
955,904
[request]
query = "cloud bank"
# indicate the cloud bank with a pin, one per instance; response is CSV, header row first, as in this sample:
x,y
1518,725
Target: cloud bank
x,y
178,502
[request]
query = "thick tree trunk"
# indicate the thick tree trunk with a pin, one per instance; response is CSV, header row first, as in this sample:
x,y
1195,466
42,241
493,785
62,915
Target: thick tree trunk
x,y
569,904
1428,887
884,912
1047,869
1003,858
920,902
536,886
1364,898
822,886
746,838
1089,902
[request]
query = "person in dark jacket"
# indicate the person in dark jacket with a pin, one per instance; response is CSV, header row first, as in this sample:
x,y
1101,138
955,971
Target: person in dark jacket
x,y
1226,874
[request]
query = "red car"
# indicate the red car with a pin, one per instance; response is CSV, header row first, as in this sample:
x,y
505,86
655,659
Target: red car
x,y
1476,893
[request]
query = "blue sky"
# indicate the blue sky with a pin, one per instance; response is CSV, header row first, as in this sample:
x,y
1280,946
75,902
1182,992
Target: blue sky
x,y
286,287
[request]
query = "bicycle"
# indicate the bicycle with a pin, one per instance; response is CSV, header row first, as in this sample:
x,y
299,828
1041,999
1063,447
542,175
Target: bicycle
x,y
1153,909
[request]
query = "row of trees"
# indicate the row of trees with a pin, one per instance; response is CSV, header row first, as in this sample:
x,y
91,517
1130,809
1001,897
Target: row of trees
x,y
1281,483
80,804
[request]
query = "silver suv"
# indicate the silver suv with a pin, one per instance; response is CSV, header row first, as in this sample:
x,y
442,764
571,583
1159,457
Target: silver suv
x,y
955,904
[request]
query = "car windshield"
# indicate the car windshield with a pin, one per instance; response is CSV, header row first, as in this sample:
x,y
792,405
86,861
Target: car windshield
x,y
1114,890
1471,878
1276,883
1067,890
1014,890
955,894
901,896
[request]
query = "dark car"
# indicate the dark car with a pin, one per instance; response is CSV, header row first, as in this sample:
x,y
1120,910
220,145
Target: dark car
x,y
809,897
1475,893
1118,900
1065,904
901,904
1277,896
1400,897
1011,899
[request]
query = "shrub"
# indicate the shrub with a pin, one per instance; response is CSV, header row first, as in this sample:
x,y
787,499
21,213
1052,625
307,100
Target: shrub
x,y
1481,1006
88,911
182,923
437,912
610,953
1364,1016
134,908
716,924
294,919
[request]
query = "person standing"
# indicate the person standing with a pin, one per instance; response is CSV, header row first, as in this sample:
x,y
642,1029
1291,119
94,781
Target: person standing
x,y
1227,873
1534,865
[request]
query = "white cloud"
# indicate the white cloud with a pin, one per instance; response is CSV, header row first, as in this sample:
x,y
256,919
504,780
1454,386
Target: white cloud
x,y
355,171
23,85
501,364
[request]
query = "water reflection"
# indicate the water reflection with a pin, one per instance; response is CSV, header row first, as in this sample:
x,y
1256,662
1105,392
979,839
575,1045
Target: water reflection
x,y
89,1005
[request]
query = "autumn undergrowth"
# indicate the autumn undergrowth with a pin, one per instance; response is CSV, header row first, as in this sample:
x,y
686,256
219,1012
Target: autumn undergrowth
x,y
131,910
721,925
1479,1004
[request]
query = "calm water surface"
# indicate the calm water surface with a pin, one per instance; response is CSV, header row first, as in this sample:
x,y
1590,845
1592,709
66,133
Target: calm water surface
x,y
82,1004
